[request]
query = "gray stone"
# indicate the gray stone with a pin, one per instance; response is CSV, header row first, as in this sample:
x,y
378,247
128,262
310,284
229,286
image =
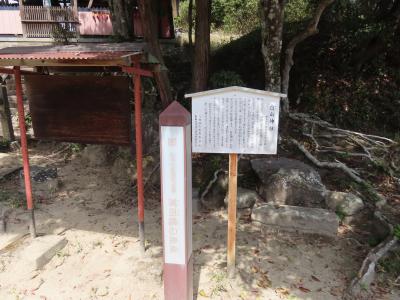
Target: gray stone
x,y
345,203
245,198
287,181
293,218
41,250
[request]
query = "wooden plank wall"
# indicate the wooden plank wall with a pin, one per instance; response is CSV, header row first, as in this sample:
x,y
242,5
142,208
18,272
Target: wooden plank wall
x,y
80,109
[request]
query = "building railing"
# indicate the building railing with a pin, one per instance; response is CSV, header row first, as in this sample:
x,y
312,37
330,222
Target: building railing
x,y
44,22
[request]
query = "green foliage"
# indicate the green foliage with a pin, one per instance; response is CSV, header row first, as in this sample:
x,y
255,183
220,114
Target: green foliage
x,y
224,79
340,213
391,264
181,21
396,231
74,147
4,144
28,121
234,16
11,199
62,34
298,10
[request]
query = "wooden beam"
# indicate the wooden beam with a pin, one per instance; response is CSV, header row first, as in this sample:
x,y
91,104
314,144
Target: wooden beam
x,y
62,63
137,71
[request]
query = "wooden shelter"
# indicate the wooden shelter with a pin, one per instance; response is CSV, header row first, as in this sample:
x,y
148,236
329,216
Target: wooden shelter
x,y
99,111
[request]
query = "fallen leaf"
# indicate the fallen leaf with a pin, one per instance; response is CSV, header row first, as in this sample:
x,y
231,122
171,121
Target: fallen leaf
x,y
315,278
283,293
303,289
203,293
264,281
255,269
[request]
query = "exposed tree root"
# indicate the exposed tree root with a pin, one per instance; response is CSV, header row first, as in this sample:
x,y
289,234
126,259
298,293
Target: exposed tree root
x,y
371,147
209,185
366,274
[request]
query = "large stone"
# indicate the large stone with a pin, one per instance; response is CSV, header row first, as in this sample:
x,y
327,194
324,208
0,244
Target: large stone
x,y
294,218
344,203
245,198
287,181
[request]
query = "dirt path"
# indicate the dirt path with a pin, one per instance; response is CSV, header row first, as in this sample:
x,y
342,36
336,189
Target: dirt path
x,y
102,258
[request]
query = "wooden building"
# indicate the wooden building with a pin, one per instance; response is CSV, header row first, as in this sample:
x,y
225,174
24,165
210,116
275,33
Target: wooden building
x,y
71,19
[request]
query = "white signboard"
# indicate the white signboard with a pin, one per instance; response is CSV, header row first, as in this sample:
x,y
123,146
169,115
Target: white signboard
x,y
235,121
173,191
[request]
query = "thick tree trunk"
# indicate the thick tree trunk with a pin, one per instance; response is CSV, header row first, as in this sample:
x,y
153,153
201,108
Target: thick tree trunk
x,y
202,46
148,14
121,18
190,22
271,41
5,114
309,31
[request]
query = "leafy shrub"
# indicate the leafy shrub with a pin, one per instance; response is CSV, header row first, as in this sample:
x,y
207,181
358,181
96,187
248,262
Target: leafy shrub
x,y
224,79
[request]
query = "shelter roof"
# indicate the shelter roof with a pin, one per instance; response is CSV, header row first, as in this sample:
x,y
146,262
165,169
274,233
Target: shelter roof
x,y
234,89
111,54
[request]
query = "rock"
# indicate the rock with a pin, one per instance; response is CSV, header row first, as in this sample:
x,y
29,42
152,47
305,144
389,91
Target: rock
x,y
287,181
294,218
213,195
44,181
344,203
245,198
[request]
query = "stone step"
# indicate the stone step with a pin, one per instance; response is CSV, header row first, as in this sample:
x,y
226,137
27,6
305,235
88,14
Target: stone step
x,y
296,218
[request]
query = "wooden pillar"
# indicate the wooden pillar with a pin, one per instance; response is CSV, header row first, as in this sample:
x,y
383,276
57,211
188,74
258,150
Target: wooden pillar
x,y
5,114
139,155
232,199
24,150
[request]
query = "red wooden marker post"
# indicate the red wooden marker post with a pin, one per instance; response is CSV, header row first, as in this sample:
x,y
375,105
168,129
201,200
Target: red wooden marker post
x,y
176,196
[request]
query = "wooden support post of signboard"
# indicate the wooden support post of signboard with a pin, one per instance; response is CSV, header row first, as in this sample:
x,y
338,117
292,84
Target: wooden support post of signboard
x,y
232,198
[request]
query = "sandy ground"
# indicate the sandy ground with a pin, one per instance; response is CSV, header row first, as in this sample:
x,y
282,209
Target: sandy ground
x,y
102,259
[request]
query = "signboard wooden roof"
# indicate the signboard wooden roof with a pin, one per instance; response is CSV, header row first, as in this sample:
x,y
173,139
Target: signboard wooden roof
x,y
234,89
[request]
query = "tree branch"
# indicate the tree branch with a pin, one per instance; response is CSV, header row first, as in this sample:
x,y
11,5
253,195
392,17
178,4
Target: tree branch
x,y
312,28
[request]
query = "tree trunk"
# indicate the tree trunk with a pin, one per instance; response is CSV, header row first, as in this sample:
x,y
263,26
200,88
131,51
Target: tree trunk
x,y
271,41
5,114
309,31
149,19
202,46
122,18
190,22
